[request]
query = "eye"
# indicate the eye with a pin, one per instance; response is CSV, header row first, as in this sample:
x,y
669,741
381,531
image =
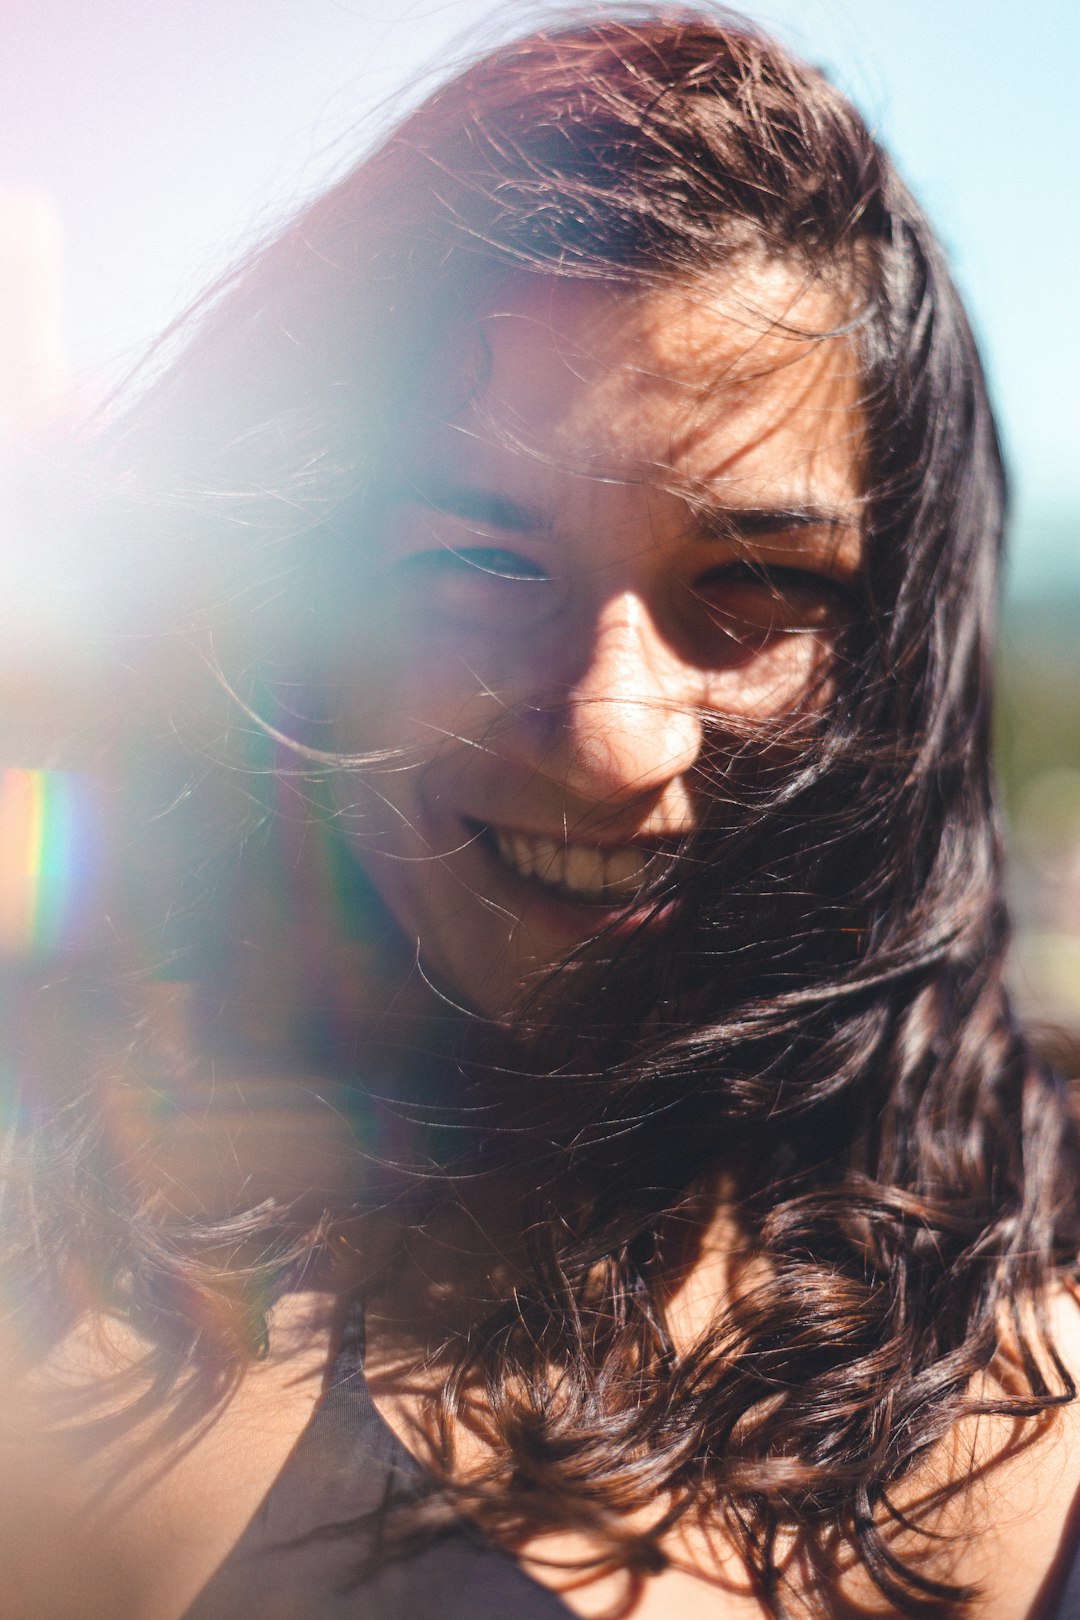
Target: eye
x,y
754,600
477,585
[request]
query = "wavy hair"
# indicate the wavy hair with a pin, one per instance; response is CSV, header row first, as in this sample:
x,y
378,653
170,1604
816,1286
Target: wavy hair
x,y
826,1024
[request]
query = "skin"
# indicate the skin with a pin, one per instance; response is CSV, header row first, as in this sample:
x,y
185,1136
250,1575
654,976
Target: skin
x,y
635,511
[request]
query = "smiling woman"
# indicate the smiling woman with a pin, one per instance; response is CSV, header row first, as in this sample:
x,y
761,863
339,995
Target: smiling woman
x,y
548,1134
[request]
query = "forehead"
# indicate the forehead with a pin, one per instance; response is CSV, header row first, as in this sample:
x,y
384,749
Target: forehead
x,y
714,386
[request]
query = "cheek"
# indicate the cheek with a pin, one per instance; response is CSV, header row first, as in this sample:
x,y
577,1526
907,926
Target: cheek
x,y
788,674
426,691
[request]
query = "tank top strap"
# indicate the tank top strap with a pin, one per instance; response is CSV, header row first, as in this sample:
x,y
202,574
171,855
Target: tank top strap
x,y
324,1544
1068,1604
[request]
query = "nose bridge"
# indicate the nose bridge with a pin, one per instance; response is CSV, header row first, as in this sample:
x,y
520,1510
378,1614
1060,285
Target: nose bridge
x,y
632,706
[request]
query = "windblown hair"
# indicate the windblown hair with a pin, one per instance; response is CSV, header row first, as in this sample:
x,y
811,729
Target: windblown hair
x,y
826,1023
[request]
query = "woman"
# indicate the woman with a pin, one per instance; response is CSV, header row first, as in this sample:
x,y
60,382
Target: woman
x,y
574,1015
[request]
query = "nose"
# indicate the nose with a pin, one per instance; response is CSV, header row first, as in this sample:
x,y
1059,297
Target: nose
x,y
626,723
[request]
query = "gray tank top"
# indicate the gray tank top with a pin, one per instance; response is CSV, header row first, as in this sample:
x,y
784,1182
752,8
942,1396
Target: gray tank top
x,y
312,1550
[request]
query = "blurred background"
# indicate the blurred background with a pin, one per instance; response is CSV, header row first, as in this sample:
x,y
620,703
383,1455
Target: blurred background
x,y
145,143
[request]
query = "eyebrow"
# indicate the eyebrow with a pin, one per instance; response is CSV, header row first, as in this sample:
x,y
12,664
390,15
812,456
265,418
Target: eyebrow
x,y
477,505
754,522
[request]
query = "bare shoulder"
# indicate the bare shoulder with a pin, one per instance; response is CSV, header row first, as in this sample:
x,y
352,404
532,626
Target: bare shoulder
x,y
998,1499
1015,1521
101,1500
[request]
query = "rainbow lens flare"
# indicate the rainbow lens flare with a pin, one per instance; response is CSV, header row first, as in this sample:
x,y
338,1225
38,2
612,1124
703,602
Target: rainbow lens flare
x,y
47,860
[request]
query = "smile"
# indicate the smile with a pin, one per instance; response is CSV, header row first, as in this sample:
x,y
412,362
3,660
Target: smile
x,y
581,872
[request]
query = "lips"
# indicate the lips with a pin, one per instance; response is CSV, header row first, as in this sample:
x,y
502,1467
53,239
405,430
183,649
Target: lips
x,y
595,875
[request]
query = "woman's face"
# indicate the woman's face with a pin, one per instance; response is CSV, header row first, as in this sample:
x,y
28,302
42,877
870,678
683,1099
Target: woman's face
x,y
618,515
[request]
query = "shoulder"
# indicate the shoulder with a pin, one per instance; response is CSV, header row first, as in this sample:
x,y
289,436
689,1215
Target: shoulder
x,y
111,1500
1014,1518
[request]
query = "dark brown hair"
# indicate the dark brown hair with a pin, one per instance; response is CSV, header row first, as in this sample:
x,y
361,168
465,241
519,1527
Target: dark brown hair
x,y
827,1023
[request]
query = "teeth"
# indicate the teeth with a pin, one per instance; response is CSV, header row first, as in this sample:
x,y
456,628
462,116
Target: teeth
x,y
625,869
549,863
522,853
597,874
584,869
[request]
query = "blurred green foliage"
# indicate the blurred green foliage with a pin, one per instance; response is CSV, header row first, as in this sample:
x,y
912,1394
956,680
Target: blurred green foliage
x,y
1037,711
1037,741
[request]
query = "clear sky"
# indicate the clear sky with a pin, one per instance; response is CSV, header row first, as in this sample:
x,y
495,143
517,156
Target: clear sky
x,y
170,132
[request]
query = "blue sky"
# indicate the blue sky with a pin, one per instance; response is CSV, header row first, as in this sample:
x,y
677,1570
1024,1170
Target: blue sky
x,y
170,132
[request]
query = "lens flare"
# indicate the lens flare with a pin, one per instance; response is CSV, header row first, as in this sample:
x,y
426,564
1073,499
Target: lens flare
x,y
47,843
